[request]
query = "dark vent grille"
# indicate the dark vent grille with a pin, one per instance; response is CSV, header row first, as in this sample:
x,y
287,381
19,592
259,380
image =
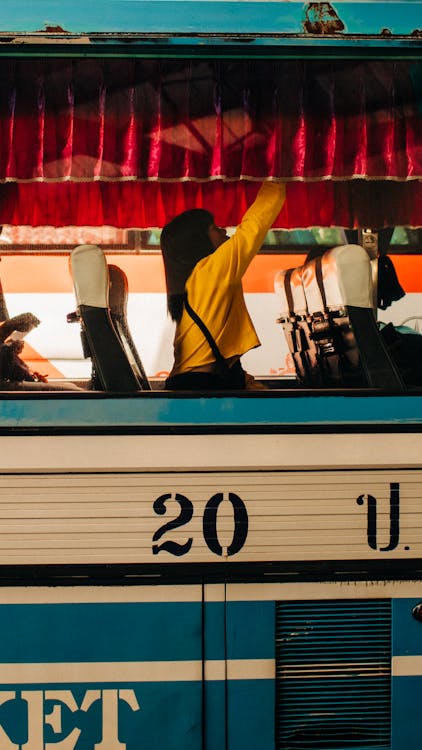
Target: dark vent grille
x,y
333,674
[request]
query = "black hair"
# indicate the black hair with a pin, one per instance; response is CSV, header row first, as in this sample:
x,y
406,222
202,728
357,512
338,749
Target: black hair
x,y
184,241
315,252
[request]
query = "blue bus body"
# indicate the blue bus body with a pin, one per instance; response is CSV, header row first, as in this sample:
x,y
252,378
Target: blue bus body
x,y
138,666
192,572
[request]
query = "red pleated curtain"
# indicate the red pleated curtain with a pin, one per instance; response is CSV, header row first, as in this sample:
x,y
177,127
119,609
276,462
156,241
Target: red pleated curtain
x,y
132,142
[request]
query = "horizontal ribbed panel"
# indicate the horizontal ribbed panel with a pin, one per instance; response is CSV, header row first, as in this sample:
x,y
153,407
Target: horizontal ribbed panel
x,y
333,662
84,518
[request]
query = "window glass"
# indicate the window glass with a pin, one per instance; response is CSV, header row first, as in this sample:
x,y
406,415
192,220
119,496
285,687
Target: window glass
x,y
36,278
142,140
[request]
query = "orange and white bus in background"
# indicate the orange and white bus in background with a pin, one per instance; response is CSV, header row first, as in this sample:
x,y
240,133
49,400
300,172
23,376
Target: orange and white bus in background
x,y
41,281
200,571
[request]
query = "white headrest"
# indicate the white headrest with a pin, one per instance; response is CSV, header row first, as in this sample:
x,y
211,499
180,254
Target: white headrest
x,y
298,295
347,276
90,276
347,279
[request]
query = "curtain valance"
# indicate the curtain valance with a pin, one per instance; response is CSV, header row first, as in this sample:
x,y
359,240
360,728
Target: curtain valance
x,y
134,119
152,204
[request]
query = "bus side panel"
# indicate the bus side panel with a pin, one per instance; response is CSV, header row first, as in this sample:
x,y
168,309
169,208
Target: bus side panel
x,y
251,674
407,675
113,674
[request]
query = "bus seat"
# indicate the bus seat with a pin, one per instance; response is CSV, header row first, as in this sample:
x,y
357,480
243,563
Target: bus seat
x,y
118,297
91,283
4,314
295,322
339,293
12,332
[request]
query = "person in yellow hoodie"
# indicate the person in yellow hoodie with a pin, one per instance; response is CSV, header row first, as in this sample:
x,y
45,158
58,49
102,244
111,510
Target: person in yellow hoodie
x,y
204,270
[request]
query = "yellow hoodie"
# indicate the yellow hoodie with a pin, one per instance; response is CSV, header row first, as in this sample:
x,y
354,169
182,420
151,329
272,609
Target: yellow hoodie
x,y
215,291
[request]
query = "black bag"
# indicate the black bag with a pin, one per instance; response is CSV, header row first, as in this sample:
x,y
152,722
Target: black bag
x,y
389,287
12,367
405,349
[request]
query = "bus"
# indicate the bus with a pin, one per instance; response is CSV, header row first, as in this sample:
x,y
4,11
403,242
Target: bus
x,y
238,570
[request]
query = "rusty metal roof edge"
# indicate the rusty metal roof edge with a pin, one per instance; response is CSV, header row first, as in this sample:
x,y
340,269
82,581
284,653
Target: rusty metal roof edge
x,y
77,18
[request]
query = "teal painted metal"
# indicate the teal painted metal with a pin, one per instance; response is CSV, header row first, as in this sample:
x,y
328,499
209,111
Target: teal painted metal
x,y
407,633
213,47
131,675
153,411
115,635
202,17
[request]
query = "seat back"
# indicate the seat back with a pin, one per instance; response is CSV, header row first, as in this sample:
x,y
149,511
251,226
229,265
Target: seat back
x,y
91,283
295,322
4,314
339,294
118,297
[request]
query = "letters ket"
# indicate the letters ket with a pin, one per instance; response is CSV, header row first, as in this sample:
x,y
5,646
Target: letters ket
x,y
39,715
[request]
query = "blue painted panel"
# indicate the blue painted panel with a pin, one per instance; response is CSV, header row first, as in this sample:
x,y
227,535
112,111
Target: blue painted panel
x,y
248,628
161,716
214,716
149,713
407,632
215,630
140,16
406,713
151,411
136,631
74,663
251,630
119,632
372,18
251,705
202,16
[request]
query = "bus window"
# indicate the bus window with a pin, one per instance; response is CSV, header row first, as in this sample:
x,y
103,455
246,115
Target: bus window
x,y
150,138
35,274
35,271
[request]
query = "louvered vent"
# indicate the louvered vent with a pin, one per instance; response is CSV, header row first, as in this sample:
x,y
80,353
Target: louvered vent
x,y
333,674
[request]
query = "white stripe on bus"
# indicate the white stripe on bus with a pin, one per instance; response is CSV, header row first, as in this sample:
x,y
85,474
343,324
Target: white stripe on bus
x,y
190,453
218,592
144,671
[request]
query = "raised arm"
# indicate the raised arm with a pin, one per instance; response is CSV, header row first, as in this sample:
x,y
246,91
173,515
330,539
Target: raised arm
x,y
237,252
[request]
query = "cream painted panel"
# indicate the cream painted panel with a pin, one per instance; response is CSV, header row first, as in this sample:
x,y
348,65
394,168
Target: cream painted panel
x,y
104,518
120,453
289,591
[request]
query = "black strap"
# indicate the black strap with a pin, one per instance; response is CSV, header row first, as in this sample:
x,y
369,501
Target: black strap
x,y
200,323
320,282
288,290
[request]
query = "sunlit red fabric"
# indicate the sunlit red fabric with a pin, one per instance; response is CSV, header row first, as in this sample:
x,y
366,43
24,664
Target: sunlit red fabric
x,y
152,204
133,122
146,119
